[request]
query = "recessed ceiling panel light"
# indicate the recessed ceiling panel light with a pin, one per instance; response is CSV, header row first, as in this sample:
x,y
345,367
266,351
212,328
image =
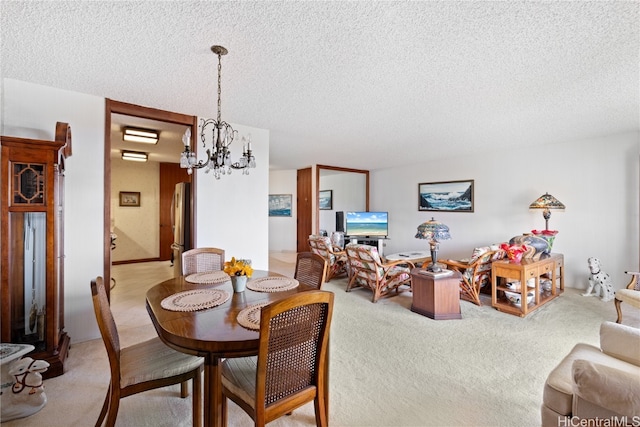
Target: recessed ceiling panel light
x,y
146,136
134,156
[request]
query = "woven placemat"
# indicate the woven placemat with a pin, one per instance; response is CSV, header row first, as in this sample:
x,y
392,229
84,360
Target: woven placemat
x,y
208,277
250,317
272,284
194,300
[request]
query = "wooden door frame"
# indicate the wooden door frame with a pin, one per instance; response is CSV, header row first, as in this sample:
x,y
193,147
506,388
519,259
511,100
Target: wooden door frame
x,y
118,107
335,168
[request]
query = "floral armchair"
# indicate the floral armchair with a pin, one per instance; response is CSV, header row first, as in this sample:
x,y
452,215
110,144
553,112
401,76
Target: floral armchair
x,y
335,257
368,271
476,271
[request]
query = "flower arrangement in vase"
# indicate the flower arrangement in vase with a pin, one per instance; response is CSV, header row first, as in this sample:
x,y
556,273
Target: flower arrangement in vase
x,y
548,235
238,270
514,252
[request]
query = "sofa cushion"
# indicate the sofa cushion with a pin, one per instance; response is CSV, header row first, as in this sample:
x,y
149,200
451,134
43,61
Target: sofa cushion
x,y
607,387
558,389
621,342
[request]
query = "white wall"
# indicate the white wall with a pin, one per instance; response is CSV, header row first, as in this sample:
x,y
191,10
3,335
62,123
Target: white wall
x,y
349,194
137,227
596,179
231,213
282,229
31,111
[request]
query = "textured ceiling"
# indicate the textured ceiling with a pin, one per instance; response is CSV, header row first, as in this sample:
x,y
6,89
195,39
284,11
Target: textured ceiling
x,y
355,84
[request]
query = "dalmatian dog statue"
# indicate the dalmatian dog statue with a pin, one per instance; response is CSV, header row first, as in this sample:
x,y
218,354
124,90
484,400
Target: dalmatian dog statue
x,y
599,282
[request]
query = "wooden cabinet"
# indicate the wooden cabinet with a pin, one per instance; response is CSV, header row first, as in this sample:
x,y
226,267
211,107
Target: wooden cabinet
x,y
502,271
32,278
436,298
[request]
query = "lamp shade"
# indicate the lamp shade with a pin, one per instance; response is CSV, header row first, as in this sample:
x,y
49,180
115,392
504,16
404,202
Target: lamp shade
x,y
546,201
433,230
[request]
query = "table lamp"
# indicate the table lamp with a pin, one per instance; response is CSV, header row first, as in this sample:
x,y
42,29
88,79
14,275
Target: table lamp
x,y
434,231
547,202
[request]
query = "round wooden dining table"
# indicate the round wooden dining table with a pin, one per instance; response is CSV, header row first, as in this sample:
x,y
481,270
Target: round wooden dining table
x,y
212,333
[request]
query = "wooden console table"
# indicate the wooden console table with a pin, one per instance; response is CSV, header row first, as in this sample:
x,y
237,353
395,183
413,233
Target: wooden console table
x,y
551,266
436,298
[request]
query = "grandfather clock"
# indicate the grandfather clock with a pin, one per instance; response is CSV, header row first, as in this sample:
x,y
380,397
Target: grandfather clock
x,y
32,285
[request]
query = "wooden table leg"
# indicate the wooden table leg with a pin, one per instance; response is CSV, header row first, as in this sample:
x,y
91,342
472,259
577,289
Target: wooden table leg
x,y
212,392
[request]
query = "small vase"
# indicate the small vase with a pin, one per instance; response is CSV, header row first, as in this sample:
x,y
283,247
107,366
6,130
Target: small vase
x,y
239,283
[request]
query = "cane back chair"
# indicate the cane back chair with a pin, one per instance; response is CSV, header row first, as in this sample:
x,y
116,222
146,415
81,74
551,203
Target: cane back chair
x,y
201,260
291,367
311,269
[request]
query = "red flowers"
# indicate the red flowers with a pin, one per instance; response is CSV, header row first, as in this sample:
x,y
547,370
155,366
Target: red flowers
x,y
545,232
514,252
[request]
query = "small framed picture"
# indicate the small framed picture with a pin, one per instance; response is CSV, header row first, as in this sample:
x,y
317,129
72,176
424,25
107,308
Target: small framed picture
x,y
325,201
280,204
448,196
129,198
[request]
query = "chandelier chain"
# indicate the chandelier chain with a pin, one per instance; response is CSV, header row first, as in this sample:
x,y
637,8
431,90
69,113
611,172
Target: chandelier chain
x,y
219,87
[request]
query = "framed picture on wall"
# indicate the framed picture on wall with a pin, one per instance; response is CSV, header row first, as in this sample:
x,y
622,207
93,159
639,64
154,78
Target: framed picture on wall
x,y
280,204
446,196
325,201
130,198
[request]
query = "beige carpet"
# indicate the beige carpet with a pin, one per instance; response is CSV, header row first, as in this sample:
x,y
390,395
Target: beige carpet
x,y
389,366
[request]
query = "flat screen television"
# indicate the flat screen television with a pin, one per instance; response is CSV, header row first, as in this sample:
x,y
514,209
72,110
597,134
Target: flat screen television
x,y
367,224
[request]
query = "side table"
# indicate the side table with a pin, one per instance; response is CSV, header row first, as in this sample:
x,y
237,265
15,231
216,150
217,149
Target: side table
x,y
550,266
436,298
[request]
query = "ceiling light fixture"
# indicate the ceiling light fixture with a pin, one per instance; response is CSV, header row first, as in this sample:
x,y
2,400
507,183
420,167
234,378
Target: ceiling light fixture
x,y
135,156
145,136
219,155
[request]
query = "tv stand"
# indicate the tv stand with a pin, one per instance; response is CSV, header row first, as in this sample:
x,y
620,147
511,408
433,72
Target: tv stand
x,y
372,241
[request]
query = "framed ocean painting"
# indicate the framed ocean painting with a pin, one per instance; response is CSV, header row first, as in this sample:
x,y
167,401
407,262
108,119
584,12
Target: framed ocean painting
x,y
279,204
446,196
325,201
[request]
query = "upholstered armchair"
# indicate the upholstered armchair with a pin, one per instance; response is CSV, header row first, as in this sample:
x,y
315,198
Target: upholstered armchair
x,y
335,257
630,294
476,271
368,271
596,384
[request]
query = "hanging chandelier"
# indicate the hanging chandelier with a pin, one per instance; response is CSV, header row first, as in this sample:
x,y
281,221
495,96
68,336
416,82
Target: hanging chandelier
x,y
219,154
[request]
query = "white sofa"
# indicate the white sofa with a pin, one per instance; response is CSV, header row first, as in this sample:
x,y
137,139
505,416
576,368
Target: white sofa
x,y
596,383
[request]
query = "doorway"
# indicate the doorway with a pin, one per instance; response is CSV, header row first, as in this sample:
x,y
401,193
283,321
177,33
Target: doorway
x,y
308,188
115,113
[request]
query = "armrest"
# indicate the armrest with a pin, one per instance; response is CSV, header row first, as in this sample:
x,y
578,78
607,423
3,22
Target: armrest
x,y
620,341
456,264
634,279
607,387
388,265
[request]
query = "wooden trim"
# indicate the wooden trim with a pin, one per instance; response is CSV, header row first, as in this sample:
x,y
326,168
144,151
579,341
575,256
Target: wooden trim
x,y
134,261
337,168
124,108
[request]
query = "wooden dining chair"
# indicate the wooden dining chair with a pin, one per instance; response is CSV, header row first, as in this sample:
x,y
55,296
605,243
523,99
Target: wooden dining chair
x,y
143,366
311,269
290,369
201,260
